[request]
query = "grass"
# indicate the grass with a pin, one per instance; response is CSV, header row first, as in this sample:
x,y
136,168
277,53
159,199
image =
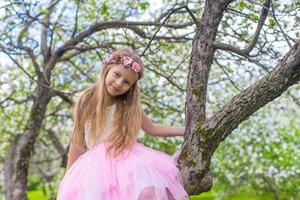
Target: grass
x,y
223,192
36,195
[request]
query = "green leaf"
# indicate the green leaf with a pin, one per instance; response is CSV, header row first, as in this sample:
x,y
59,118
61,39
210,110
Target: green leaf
x,y
12,23
144,6
242,5
23,34
254,16
104,9
271,22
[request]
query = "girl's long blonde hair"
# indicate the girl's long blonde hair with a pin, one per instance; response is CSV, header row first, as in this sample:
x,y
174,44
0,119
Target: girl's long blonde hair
x,y
91,106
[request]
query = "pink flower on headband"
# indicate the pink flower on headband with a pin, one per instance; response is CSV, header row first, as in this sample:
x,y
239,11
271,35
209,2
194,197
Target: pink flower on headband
x,y
126,60
110,60
136,67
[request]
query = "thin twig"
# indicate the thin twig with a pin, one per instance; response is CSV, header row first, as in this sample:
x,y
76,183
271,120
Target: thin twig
x,y
278,24
168,16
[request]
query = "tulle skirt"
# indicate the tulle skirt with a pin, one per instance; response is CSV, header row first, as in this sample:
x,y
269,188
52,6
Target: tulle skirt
x,y
139,174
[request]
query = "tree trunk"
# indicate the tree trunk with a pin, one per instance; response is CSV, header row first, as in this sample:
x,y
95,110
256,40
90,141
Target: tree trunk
x,y
204,135
17,159
195,159
200,146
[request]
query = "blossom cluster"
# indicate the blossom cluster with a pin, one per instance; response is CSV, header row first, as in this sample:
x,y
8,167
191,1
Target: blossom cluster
x,y
126,61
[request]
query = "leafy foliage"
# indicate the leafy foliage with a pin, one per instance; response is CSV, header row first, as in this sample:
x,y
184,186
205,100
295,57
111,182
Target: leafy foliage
x,y
262,153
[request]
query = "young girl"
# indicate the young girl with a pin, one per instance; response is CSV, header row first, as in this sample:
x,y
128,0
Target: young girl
x,y
108,116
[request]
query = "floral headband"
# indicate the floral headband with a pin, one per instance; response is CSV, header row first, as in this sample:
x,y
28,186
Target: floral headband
x,y
125,60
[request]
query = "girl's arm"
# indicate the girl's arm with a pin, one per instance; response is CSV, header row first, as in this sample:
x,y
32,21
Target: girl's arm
x,y
158,129
74,152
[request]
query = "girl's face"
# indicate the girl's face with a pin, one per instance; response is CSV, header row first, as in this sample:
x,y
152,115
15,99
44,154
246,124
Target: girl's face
x,y
119,79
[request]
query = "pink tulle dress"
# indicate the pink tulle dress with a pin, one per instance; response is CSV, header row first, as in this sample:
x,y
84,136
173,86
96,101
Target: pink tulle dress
x,y
139,174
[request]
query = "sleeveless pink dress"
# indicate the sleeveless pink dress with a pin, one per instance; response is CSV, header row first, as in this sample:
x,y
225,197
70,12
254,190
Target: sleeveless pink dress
x,y
139,174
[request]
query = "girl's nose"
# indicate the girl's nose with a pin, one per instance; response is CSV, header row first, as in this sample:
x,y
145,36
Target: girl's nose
x,y
118,83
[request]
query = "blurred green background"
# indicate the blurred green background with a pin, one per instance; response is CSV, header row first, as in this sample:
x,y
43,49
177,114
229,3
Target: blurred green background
x,y
260,160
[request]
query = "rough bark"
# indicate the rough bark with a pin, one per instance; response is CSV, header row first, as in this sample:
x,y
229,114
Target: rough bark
x,y
204,135
194,160
17,159
263,91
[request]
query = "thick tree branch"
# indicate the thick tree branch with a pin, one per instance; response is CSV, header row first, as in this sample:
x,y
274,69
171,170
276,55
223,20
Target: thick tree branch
x,y
82,49
243,105
98,26
106,25
194,161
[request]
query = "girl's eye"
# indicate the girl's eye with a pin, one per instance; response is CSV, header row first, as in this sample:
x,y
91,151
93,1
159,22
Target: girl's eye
x,y
117,75
127,82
